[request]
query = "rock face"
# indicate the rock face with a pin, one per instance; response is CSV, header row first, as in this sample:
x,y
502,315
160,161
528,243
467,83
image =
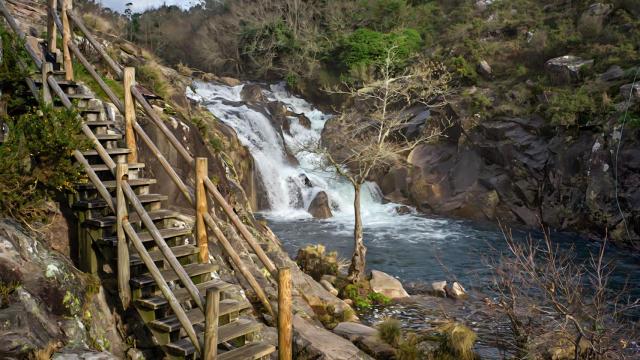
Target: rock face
x,y
319,207
314,342
365,338
566,69
387,285
631,92
484,69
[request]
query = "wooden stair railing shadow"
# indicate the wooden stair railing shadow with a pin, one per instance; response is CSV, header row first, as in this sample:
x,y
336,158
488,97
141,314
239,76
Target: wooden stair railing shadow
x,y
117,214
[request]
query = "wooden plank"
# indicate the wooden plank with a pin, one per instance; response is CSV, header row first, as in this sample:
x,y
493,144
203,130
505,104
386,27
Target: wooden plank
x,y
111,184
257,249
164,288
238,263
179,251
211,315
145,236
163,161
124,289
93,177
67,5
285,315
47,69
96,45
170,324
170,275
201,209
251,351
130,113
52,32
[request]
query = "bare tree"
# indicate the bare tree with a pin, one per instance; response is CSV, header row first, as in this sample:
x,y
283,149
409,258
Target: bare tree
x,y
370,130
544,291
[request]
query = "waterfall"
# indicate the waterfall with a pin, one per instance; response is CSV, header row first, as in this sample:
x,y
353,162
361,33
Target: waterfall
x,y
287,190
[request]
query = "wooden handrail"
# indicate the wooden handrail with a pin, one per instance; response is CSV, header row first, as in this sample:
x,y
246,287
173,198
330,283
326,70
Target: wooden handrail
x,y
211,323
162,246
238,263
202,240
241,227
285,315
122,214
93,177
96,45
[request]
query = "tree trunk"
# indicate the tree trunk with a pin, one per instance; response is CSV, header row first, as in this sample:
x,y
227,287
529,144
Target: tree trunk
x,y
357,268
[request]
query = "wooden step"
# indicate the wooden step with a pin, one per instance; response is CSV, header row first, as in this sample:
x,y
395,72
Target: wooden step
x,y
242,326
156,254
251,351
114,151
105,137
89,110
145,236
171,323
155,215
100,203
99,123
104,167
62,83
157,302
111,184
80,96
170,275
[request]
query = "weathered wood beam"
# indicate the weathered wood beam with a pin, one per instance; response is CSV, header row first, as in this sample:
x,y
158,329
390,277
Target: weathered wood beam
x,y
130,114
211,324
285,315
67,5
201,209
124,288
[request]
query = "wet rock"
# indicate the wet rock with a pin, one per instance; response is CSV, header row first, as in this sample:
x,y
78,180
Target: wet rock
x,y
403,210
252,93
314,342
366,338
303,120
327,285
229,81
484,69
566,69
387,285
613,73
439,288
456,291
353,331
319,207
305,180
630,92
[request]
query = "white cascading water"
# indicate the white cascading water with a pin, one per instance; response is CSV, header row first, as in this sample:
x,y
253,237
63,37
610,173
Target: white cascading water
x,y
282,181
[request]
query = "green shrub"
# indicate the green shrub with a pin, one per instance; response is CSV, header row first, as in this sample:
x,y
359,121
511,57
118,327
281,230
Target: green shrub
x,y
390,331
378,299
36,161
365,47
464,71
571,107
12,85
151,75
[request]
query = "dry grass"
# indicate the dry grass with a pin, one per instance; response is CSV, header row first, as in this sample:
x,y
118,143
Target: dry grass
x,y
98,23
47,352
390,332
458,340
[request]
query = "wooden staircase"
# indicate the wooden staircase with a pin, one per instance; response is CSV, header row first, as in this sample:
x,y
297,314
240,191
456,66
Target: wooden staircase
x,y
159,263
97,235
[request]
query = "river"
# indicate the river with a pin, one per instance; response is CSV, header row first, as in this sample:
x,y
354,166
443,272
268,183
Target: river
x,y
415,248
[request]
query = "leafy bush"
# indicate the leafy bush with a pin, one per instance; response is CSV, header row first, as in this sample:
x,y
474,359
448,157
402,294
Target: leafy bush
x,y
36,161
365,47
12,84
465,71
570,107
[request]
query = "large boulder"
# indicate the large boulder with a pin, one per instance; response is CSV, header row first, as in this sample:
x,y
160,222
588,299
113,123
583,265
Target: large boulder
x,y
387,285
252,93
484,69
566,69
354,331
366,338
320,207
592,20
314,342
615,72
630,92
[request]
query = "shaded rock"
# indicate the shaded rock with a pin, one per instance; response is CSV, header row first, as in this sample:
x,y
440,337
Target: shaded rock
x,y
613,73
327,285
319,207
484,69
314,342
330,278
566,69
303,120
314,261
229,81
439,288
305,180
592,19
387,285
377,348
403,210
252,93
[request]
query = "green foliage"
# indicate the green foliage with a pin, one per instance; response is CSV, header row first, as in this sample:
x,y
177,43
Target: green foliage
x,y
465,71
81,74
12,85
6,289
36,161
382,15
378,299
390,331
571,107
408,348
362,296
365,47
263,43
151,75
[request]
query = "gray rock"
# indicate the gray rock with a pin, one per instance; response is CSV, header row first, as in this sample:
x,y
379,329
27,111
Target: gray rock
x,y
630,92
482,5
319,207
315,342
439,288
484,69
252,93
456,291
613,73
329,278
566,69
353,331
387,285
327,285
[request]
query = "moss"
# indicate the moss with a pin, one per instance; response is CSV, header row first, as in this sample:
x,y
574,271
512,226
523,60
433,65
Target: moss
x,y
6,289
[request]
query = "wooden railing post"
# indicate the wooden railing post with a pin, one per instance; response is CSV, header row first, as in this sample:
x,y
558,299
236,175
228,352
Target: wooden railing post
x,y
285,315
130,114
201,208
124,289
52,32
66,38
47,69
211,324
